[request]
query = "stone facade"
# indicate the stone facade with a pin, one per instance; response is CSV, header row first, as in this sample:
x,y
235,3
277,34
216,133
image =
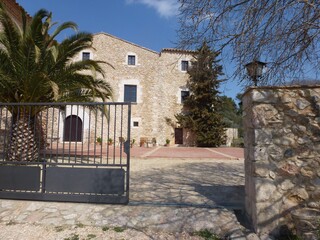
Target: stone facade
x,y
160,82
158,79
282,146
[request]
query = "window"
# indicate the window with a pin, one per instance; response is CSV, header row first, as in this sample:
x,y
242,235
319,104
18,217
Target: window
x,y
130,93
136,124
131,60
184,66
184,95
85,55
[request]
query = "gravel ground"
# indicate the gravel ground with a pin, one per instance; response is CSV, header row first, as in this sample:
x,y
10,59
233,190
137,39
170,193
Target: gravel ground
x,y
13,231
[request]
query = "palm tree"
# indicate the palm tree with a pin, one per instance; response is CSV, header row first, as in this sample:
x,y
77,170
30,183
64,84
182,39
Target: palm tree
x,y
34,67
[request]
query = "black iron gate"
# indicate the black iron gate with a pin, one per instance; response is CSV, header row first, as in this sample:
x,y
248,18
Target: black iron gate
x,y
43,159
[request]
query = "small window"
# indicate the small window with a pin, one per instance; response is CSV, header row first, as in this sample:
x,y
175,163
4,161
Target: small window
x,y
131,60
184,66
184,95
85,56
130,93
136,124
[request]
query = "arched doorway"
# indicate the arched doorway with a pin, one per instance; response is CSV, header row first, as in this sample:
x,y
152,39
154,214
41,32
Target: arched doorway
x,y
72,129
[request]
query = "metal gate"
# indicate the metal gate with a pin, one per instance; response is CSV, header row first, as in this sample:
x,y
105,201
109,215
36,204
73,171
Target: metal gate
x,y
37,163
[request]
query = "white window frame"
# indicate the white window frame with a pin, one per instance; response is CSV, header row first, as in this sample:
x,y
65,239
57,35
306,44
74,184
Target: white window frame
x,y
136,89
138,120
136,59
181,95
179,98
182,70
130,82
184,58
86,51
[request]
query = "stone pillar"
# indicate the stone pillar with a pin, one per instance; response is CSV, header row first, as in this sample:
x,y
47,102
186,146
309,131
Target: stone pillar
x,y
282,160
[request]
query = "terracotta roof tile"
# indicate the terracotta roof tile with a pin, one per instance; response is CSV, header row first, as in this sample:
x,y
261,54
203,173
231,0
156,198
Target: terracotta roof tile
x,y
175,50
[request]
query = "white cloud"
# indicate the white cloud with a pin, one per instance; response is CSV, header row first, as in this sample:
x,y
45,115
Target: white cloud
x,y
166,8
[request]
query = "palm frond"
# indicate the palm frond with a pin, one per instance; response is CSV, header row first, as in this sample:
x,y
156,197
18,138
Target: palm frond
x,y
34,67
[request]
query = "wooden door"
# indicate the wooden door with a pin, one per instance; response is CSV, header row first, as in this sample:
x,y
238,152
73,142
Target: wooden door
x,y
178,135
72,129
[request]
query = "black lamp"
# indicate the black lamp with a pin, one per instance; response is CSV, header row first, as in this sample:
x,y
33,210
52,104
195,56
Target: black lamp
x,y
254,70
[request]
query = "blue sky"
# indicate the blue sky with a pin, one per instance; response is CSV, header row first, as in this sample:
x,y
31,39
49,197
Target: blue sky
x,y
149,23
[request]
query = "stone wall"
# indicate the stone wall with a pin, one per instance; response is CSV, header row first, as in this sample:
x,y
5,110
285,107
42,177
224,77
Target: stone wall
x,y
282,146
158,78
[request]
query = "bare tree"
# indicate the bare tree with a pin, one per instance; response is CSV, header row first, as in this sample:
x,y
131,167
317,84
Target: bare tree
x,y
283,33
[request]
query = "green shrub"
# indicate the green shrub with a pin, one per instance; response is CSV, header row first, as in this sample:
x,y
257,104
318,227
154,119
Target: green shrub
x,y
99,140
238,142
80,225
59,228
118,229
73,237
206,234
90,236
105,228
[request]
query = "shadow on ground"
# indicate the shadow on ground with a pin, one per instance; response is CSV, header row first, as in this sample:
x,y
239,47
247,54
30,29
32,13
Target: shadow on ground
x,y
204,184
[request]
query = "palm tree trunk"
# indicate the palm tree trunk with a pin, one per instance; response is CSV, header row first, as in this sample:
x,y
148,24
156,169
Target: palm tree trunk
x,y
24,140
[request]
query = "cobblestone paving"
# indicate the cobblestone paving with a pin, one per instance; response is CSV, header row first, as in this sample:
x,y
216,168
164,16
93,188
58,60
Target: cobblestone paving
x,y
166,195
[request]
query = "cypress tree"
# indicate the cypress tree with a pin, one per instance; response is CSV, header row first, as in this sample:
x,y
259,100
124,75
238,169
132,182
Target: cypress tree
x,y
200,109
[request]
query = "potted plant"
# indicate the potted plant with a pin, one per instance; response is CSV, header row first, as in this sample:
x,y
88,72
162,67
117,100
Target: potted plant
x,y
167,142
99,140
154,142
132,142
110,141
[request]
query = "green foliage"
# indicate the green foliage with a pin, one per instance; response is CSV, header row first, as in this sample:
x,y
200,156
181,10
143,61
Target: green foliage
x,y
59,228
105,228
73,237
91,236
206,234
99,140
80,225
34,67
167,141
239,142
290,236
118,229
230,112
201,114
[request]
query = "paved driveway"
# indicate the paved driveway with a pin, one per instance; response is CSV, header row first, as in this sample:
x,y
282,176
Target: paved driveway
x,y
187,182
167,194
225,153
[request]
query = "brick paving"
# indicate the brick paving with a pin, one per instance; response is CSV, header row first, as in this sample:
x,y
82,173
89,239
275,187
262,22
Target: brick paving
x,y
148,152
188,152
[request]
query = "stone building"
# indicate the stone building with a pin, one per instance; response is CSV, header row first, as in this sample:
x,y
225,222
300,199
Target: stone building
x,y
154,82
